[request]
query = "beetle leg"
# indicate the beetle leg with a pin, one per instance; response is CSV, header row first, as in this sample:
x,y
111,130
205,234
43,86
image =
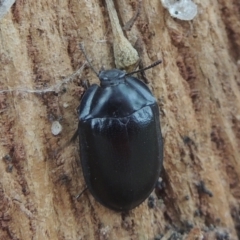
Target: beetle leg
x,y
85,84
81,193
143,74
139,47
74,137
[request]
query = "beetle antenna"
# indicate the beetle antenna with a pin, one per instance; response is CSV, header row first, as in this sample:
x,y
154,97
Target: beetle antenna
x,y
81,45
146,68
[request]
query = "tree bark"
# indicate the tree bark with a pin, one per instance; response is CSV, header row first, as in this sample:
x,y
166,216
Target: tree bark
x,y
198,90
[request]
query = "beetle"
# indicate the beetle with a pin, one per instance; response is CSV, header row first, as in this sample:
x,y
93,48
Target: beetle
x,y
121,146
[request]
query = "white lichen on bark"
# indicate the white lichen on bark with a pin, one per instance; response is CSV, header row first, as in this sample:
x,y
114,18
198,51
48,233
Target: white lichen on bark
x,y
181,9
5,6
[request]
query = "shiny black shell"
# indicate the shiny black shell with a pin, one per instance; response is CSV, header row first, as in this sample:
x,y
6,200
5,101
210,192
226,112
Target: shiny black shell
x,y
121,145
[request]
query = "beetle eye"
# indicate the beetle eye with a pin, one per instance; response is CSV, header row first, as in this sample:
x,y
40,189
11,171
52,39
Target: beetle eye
x,y
122,75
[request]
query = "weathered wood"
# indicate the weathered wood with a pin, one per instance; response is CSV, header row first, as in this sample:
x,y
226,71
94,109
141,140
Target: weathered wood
x,y
198,88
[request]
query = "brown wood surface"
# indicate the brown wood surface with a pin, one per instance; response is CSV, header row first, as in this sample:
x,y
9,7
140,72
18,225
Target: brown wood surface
x,y
198,90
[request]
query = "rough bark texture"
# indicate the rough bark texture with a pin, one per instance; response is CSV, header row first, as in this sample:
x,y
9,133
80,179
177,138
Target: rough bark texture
x,y
198,88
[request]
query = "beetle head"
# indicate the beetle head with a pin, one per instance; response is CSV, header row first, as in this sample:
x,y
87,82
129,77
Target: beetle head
x,y
111,77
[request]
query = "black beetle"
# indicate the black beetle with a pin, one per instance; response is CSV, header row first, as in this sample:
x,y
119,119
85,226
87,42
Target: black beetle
x,y
121,147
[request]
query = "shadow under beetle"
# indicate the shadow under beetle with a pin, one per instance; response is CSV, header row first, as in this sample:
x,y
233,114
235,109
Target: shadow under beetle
x,y
121,146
